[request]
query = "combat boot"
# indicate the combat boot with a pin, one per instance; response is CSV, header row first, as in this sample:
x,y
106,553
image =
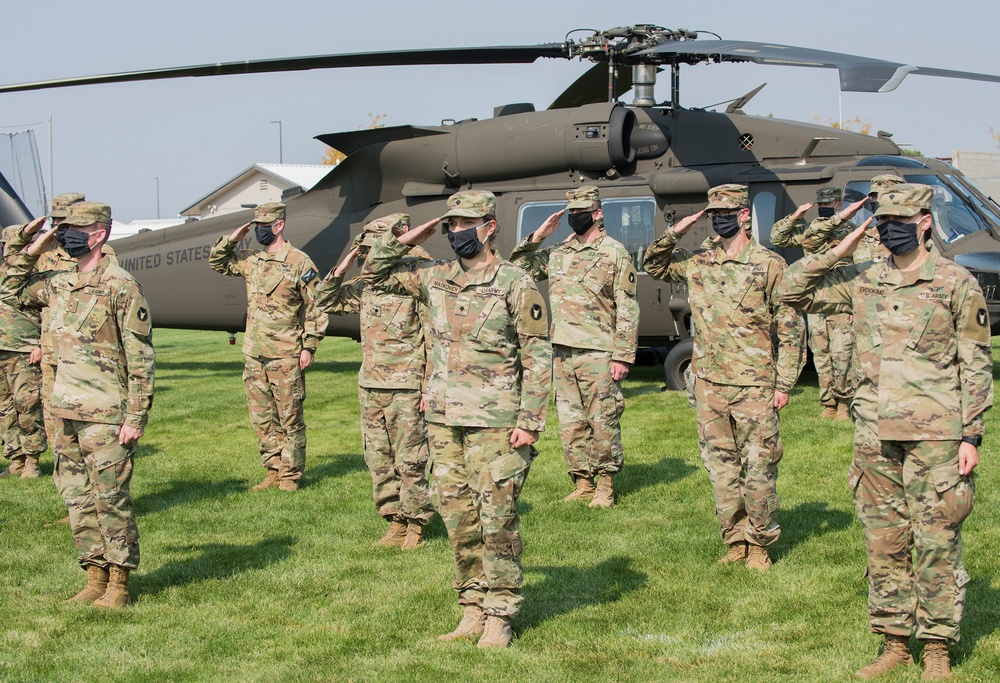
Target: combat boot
x,y
584,489
473,623
829,412
604,495
937,665
117,595
31,470
843,412
15,469
396,534
737,553
414,536
757,558
270,480
896,652
288,485
97,585
496,634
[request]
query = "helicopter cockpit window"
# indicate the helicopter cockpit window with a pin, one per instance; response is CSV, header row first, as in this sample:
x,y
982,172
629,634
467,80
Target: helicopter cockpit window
x,y
629,220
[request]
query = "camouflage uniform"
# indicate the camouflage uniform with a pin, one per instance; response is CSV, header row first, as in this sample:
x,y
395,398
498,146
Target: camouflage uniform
x,y
924,350
491,372
595,320
737,369
831,338
101,331
282,321
390,382
54,259
20,385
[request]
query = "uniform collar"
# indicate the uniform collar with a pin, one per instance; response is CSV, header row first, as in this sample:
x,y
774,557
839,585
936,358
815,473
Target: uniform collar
x,y
742,256
576,245
93,277
464,278
279,255
894,276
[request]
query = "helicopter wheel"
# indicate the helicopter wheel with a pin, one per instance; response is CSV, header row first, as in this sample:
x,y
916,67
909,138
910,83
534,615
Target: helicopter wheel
x,y
677,365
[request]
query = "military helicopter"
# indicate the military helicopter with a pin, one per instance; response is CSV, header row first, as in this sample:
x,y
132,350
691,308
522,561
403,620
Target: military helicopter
x,y
653,161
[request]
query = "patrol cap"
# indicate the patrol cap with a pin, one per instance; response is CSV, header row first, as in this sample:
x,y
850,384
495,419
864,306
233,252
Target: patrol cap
x,y
880,182
394,221
729,196
471,204
583,197
62,202
268,213
825,195
83,214
907,199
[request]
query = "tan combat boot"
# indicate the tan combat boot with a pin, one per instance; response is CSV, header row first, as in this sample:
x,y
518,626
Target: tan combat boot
x,y
15,469
288,485
473,623
757,558
895,653
737,553
496,634
270,480
584,489
414,536
937,665
117,595
31,470
843,412
829,412
396,534
97,585
604,496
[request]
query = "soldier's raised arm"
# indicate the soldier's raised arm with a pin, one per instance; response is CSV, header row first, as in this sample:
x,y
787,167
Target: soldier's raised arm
x,y
529,254
18,285
224,257
383,264
813,285
663,260
788,231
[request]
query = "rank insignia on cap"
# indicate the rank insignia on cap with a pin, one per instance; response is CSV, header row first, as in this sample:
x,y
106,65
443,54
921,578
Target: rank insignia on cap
x,y
536,312
308,275
981,317
631,277
142,314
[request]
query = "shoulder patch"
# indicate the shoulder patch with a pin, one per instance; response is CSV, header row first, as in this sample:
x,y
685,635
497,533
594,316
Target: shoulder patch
x,y
627,279
309,275
137,318
533,321
976,326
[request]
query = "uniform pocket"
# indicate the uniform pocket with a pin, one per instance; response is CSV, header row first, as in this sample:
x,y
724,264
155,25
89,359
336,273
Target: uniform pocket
x,y
956,492
511,464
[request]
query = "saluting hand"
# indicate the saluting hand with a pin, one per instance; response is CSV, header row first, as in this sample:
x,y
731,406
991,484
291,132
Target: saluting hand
x,y
801,210
42,243
852,209
548,227
346,263
850,243
684,224
239,233
33,227
419,234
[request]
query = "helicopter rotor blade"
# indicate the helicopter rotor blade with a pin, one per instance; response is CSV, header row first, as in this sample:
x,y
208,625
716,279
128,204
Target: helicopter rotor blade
x,y
592,87
857,74
514,54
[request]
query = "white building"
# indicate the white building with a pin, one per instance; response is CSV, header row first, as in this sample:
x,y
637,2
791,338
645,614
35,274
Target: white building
x,y
259,184
982,168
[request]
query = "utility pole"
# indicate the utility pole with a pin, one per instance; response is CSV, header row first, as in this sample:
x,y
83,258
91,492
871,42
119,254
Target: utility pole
x,y
157,179
281,155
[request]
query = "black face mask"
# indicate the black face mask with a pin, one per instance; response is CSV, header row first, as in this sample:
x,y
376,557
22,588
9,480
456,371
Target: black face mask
x,y
581,221
465,243
899,237
265,235
75,242
726,226
826,211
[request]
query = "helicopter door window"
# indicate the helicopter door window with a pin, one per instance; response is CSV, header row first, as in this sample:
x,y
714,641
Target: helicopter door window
x,y
953,218
764,204
630,220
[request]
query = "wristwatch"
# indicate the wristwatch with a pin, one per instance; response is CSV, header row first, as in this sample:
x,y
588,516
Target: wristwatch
x,y
976,441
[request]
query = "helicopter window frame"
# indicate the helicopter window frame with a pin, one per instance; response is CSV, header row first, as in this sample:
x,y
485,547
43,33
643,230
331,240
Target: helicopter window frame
x,y
639,214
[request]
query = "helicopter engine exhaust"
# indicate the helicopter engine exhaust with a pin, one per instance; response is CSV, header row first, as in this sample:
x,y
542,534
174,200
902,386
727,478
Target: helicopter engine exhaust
x,y
596,137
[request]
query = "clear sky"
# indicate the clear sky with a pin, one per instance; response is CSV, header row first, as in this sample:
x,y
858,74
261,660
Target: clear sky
x,y
111,141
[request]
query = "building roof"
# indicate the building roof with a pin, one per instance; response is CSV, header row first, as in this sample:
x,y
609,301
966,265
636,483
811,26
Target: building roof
x,y
303,175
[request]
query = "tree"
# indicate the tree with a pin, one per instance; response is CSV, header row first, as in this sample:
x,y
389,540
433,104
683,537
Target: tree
x,y
996,136
864,126
332,157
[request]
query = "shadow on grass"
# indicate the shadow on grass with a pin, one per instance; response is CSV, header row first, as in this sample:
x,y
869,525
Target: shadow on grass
x,y
635,477
802,522
216,561
186,492
566,588
334,467
982,616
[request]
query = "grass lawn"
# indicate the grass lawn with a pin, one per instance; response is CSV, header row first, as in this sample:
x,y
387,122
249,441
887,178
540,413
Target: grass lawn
x,y
271,586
